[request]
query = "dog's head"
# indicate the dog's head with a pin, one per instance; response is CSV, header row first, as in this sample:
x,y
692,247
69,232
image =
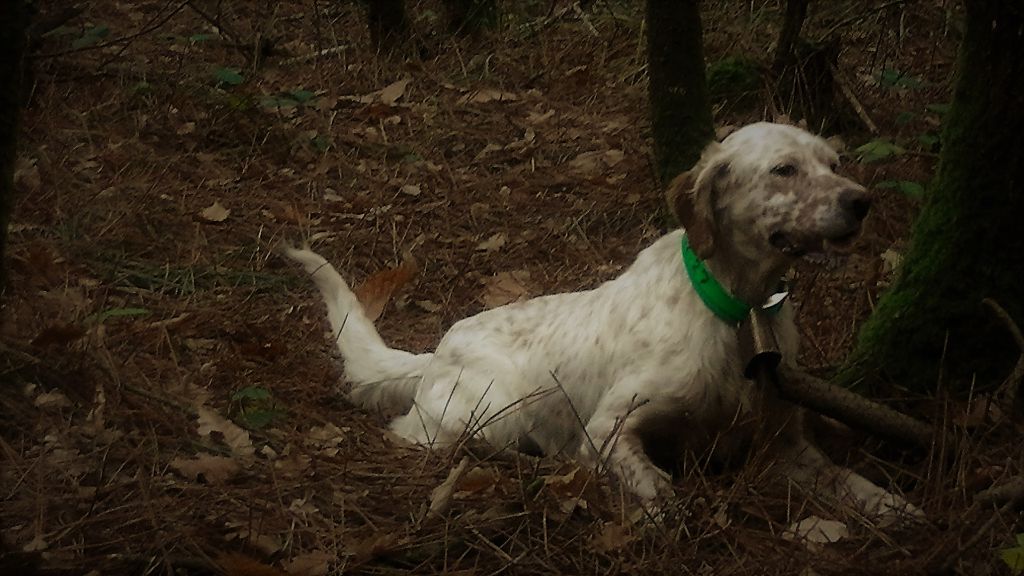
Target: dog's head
x,y
771,191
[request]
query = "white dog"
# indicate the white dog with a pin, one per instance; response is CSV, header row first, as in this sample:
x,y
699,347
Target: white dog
x,y
642,362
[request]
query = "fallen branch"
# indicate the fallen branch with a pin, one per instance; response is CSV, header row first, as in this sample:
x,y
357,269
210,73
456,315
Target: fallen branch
x,y
852,408
844,87
1009,391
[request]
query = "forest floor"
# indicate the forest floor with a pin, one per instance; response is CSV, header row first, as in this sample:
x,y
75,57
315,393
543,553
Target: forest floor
x,y
171,401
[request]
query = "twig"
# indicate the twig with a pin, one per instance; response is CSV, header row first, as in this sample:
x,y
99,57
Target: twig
x,y
1011,504
1011,491
1010,389
314,55
857,18
844,87
155,23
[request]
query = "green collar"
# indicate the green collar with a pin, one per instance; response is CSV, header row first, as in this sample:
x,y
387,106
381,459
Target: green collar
x,y
715,296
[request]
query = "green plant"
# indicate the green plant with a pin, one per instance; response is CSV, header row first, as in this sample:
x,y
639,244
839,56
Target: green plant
x,y
907,187
255,408
229,76
1014,557
890,78
91,36
292,99
878,149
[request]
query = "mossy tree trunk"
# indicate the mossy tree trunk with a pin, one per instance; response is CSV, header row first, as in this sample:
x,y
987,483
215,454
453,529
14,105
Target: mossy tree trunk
x,y
470,16
681,119
966,244
13,29
388,24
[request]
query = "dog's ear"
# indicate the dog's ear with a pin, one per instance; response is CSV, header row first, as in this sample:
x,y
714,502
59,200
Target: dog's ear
x,y
691,197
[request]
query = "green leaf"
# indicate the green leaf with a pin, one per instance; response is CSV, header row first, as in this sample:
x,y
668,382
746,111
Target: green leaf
x,y
201,37
91,36
229,76
941,109
255,393
929,141
278,102
905,117
119,313
1014,557
878,150
896,79
907,187
302,96
261,418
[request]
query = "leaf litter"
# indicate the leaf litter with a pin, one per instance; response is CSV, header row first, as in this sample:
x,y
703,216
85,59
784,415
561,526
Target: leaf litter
x,y
101,231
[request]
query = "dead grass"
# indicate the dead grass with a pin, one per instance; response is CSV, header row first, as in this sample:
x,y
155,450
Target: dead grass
x,y
130,314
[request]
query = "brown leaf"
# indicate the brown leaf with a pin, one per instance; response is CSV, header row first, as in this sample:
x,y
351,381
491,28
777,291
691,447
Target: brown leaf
x,y
504,288
238,564
494,243
315,563
488,95
374,546
441,495
212,469
234,435
613,536
215,213
477,480
392,92
375,292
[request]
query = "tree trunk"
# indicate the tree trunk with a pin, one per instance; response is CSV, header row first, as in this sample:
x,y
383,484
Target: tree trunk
x,y
789,34
681,121
966,244
13,29
470,16
388,25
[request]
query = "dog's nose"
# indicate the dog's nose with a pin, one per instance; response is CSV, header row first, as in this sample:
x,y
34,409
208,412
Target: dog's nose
x,y
855,201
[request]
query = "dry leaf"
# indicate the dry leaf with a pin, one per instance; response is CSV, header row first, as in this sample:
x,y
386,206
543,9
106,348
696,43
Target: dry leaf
x,y
441,496
215,213
310,564
392,92
488,95
58,334
504,288
374,546
375,292
477,480
587,164
495,242
410,189
212,469
613,536
238,564
52,400
26,174
234,435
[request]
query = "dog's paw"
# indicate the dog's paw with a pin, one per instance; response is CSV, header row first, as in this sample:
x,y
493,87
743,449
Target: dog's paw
x,y
888,509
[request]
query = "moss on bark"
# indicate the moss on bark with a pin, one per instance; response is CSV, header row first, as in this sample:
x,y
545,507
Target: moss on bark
x,y
966,244
681,121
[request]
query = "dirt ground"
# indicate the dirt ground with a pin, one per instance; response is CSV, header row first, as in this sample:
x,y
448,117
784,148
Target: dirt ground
x,y
171,403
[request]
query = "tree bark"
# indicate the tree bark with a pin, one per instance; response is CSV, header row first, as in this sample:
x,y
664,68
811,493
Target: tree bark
x,y
13,41
681,121
789,34
388,24
965,244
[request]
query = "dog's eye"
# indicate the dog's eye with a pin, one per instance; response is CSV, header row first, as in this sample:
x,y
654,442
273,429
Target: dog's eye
x,y
784,170
834,166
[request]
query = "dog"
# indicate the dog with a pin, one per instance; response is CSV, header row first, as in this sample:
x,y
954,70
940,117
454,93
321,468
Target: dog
x,y
645,362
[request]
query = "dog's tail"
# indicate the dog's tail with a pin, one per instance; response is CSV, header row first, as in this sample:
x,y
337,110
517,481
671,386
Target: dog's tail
x,y
381,377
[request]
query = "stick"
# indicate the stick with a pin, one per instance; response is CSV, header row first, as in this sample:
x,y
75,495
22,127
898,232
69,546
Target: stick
x,y
853,100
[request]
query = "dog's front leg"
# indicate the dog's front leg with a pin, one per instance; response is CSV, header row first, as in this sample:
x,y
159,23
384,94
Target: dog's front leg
x,y
612,442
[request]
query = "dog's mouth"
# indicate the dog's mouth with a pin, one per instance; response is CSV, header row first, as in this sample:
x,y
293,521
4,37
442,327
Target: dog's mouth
x,y
797,247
